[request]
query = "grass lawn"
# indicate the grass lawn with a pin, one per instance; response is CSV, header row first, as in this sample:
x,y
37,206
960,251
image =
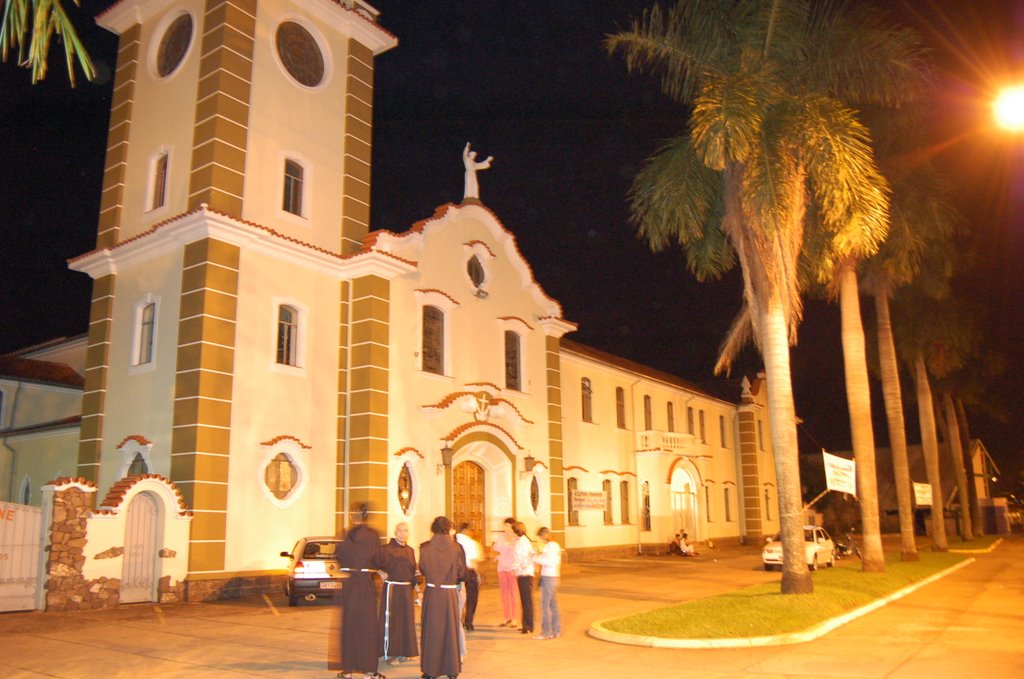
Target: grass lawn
x,y
978,543
761,610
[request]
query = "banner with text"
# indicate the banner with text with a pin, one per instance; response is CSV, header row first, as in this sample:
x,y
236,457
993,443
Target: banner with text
x,y
586,499
840,473
923,494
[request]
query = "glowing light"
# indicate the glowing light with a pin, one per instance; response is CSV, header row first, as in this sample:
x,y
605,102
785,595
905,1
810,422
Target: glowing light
x,y
1009,109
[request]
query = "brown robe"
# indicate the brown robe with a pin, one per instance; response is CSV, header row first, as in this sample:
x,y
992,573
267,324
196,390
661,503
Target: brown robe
x,y
358,554
443,565
397,611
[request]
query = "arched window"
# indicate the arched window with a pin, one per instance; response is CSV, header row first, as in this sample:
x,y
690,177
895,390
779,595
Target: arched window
x,y
570,487
620,407
588,396
433,340
606,487
646,506
648,416
624,501
26,491
513,378
287,335
292,201
405,488
281,475
670,411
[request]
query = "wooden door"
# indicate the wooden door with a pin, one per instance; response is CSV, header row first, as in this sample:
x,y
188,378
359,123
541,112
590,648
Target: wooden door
x,y
468,496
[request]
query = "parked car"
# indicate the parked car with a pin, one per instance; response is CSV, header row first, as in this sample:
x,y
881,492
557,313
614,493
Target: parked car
x,y
312,569
818,547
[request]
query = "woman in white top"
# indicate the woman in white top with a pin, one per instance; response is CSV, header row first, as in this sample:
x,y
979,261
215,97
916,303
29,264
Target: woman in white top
x,y
550,561
522,567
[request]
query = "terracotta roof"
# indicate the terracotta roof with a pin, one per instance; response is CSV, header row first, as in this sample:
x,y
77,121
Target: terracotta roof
x,y
45,372
642,369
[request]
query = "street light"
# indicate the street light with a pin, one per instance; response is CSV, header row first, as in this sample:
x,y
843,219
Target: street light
x,y
1009,109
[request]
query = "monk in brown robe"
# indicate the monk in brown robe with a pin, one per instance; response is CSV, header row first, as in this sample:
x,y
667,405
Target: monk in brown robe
x,y
358,558
443,566
397,619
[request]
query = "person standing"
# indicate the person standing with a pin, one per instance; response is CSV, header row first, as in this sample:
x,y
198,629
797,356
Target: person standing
x,y
503,550
358,558
442,566
550,561
397,619
473,553
522,566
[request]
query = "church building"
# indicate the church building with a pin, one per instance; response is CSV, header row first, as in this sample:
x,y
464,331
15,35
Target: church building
x,y
259,357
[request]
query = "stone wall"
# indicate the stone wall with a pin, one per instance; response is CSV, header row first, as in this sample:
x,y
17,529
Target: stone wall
x,y
232,588
66,589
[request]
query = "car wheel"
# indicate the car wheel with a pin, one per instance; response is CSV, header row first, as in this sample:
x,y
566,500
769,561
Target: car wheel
x,y
814,563
832,558
768,566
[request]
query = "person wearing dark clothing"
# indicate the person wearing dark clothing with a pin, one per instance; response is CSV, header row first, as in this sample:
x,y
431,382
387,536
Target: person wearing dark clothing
x,y
473,554
443,565
358,558
522,566
397,620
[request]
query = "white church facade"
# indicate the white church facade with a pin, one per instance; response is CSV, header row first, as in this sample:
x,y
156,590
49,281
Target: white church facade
x,y
261,353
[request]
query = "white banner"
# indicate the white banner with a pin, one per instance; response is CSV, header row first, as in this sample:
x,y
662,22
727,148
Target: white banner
x,y
585,499
840,473
923,494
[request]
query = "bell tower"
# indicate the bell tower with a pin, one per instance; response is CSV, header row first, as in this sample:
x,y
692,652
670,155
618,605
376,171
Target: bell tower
x,y
237,172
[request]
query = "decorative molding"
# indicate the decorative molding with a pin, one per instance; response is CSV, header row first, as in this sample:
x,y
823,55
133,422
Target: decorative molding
x,y
286,437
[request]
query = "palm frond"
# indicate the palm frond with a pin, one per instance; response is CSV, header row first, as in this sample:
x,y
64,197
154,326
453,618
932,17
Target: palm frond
x,y
741,334
32,25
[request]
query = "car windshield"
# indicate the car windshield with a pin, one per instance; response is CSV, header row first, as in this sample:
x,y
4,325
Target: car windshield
x,y
324,549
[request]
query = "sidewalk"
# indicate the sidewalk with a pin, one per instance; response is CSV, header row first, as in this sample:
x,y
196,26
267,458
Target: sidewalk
x,y
971,620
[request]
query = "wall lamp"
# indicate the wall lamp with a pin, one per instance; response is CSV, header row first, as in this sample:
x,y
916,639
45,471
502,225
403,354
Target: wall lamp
x,y
446,458
528,463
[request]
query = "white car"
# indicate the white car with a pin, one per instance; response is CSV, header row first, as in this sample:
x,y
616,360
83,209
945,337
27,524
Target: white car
x,y
818,547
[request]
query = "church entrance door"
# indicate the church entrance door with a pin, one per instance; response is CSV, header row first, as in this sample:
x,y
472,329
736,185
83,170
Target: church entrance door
x,y
468,496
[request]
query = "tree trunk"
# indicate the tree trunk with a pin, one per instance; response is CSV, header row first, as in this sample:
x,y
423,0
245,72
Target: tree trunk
x,y
893,396
957,453
858,400
796,579
930,448
972,473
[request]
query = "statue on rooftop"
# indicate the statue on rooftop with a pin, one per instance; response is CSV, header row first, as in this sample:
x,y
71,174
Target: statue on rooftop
x,y
472,165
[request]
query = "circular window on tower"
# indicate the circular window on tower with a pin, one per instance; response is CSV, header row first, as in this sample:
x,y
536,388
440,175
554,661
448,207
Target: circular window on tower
x,y
300,54
173,45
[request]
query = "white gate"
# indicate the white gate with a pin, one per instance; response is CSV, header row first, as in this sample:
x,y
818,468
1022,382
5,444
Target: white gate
x,y
20,538
138,579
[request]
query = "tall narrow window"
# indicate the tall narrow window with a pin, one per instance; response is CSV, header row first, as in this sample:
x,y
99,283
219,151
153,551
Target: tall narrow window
x,y
570,489
646,506
671,412
147,324
287,335
648,416
728,505
159,182
760,436
624,501
433,340
721,428
26,491
512,365
700,422
606,487
707,502
292,187
767,505
588,399
689,421
620,407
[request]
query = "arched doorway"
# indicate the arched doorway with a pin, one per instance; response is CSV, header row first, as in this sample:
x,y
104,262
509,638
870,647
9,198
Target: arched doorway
x,y
468,497
138,576
684,503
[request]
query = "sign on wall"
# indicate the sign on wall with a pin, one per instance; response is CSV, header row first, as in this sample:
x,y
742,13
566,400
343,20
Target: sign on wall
x,y
923,494
586,499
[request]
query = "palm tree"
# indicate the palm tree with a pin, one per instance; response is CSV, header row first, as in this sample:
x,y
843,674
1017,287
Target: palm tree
x,y
771,133
27,28
921,222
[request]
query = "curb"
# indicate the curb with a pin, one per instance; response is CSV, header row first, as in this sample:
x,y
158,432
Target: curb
x,y
987,550
599,631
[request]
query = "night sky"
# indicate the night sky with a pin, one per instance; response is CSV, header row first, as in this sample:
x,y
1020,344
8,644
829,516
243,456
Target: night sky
x,y
530,84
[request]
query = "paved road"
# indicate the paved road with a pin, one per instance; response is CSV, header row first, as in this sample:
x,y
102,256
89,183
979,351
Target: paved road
x,y
970,624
